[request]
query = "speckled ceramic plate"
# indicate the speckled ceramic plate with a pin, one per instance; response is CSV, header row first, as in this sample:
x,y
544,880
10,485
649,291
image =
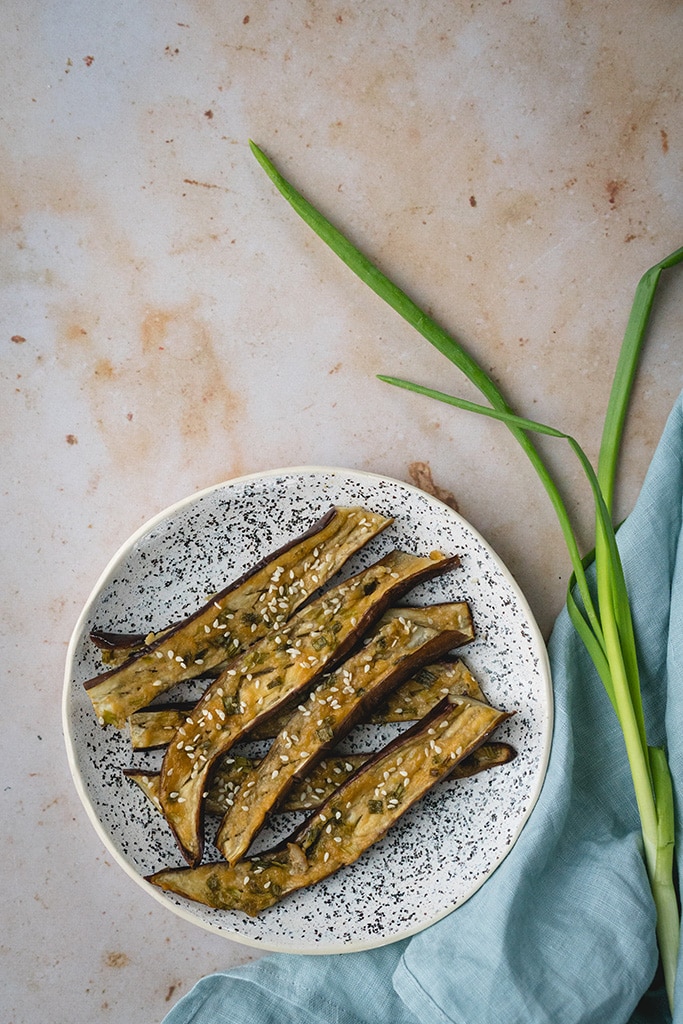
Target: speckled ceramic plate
x,y
445,847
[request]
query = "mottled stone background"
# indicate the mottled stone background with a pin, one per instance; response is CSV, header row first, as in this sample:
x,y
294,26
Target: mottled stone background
x,y
167,323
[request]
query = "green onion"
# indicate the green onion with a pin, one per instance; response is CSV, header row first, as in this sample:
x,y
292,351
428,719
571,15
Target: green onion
x,y
604,625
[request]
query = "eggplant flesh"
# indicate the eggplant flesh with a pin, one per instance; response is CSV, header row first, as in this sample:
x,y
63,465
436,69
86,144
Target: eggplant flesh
x,y
309,793
452,615
270,672
118,647
242,613
351,820
153,728
333,707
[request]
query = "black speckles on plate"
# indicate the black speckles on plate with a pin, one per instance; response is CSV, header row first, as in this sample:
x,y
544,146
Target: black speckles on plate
x,y
447,845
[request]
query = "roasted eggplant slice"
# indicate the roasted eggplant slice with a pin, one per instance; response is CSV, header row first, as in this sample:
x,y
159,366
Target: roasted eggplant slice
x,y
316,787
118,647
308,794
333,707
449,615
355,817
153,727
273,670
115,648
419,694
240,614
233,771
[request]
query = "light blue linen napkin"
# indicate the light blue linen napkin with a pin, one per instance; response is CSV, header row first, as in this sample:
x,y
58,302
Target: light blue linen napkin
x,y
563,931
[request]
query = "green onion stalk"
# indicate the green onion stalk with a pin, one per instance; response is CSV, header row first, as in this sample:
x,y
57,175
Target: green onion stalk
x,y
601,616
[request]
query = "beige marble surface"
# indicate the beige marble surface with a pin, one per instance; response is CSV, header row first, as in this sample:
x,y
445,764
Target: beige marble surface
x,y
168,323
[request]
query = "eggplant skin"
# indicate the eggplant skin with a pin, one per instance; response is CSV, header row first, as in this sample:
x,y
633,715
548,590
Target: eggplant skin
x,y
260,681
152,728
263,598
116,648
354,817
333,707
317,786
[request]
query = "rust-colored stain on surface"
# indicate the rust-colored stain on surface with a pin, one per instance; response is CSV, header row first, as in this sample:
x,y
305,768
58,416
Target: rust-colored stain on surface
x,y
613,188
153,329
203,184
420,474
104,369
74,332
117,959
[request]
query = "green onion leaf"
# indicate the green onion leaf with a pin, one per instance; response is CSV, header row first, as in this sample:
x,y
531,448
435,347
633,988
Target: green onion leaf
x,y
604,624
